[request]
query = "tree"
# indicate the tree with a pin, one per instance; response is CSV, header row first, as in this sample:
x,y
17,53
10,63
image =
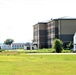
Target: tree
x,y
58,45
8,41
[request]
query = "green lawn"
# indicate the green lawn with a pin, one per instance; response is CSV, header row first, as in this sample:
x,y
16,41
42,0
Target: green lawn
x,y
47,50
24,64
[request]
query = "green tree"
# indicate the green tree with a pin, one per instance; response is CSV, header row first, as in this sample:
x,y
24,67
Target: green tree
x,y
8,41
58,45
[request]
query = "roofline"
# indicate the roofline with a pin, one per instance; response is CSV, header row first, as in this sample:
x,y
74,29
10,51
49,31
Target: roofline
x,y
41,23
18,43
65,19
55,20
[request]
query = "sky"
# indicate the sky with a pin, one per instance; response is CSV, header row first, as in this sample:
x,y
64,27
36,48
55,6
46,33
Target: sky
x,y
17,17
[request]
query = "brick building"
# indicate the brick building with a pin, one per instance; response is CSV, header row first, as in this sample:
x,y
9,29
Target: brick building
x,y
46,32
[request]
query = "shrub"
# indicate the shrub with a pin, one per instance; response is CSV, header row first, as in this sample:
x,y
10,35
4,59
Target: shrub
x,y
70,45
66,51
57,45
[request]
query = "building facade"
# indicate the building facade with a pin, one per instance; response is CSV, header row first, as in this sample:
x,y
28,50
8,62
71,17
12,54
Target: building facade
x,y
61,28
4,46
13,46
18,45
40,34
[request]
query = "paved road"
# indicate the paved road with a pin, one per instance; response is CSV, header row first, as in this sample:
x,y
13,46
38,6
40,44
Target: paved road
x,y
50,53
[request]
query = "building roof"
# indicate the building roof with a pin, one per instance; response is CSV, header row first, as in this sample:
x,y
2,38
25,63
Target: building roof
x,y
42,22
65,18
61,18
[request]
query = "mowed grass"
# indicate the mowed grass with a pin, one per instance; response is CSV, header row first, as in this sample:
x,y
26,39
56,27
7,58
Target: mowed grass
x,y
24,64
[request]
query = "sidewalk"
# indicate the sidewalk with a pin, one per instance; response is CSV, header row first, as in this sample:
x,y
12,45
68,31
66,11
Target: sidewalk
x,y
50,53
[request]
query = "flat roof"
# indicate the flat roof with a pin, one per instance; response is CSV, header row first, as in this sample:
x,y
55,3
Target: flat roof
x,y
61,18
42,22
65,18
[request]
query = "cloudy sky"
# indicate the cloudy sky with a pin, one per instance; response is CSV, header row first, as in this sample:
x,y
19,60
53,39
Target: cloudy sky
x,y
17,17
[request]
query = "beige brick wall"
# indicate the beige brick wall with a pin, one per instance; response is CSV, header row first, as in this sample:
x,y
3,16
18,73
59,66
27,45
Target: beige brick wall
x,y
68,26
42,26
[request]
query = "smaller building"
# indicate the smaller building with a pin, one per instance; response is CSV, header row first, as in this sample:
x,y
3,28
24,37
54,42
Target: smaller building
x,y
4,46
18,45
29,46
14,46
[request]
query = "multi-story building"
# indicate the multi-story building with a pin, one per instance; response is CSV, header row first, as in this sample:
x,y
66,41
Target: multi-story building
x,y
52,32
62,28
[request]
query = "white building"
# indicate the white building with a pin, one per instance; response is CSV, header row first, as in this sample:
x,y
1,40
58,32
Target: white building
x,y
4,46
13,46
30,47
26,46
18,45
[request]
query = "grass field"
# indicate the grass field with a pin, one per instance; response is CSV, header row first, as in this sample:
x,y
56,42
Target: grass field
x,y
24,64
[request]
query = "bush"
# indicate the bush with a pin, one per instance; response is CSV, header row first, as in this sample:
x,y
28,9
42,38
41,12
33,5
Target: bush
x,y
58,45
70,45
66,51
